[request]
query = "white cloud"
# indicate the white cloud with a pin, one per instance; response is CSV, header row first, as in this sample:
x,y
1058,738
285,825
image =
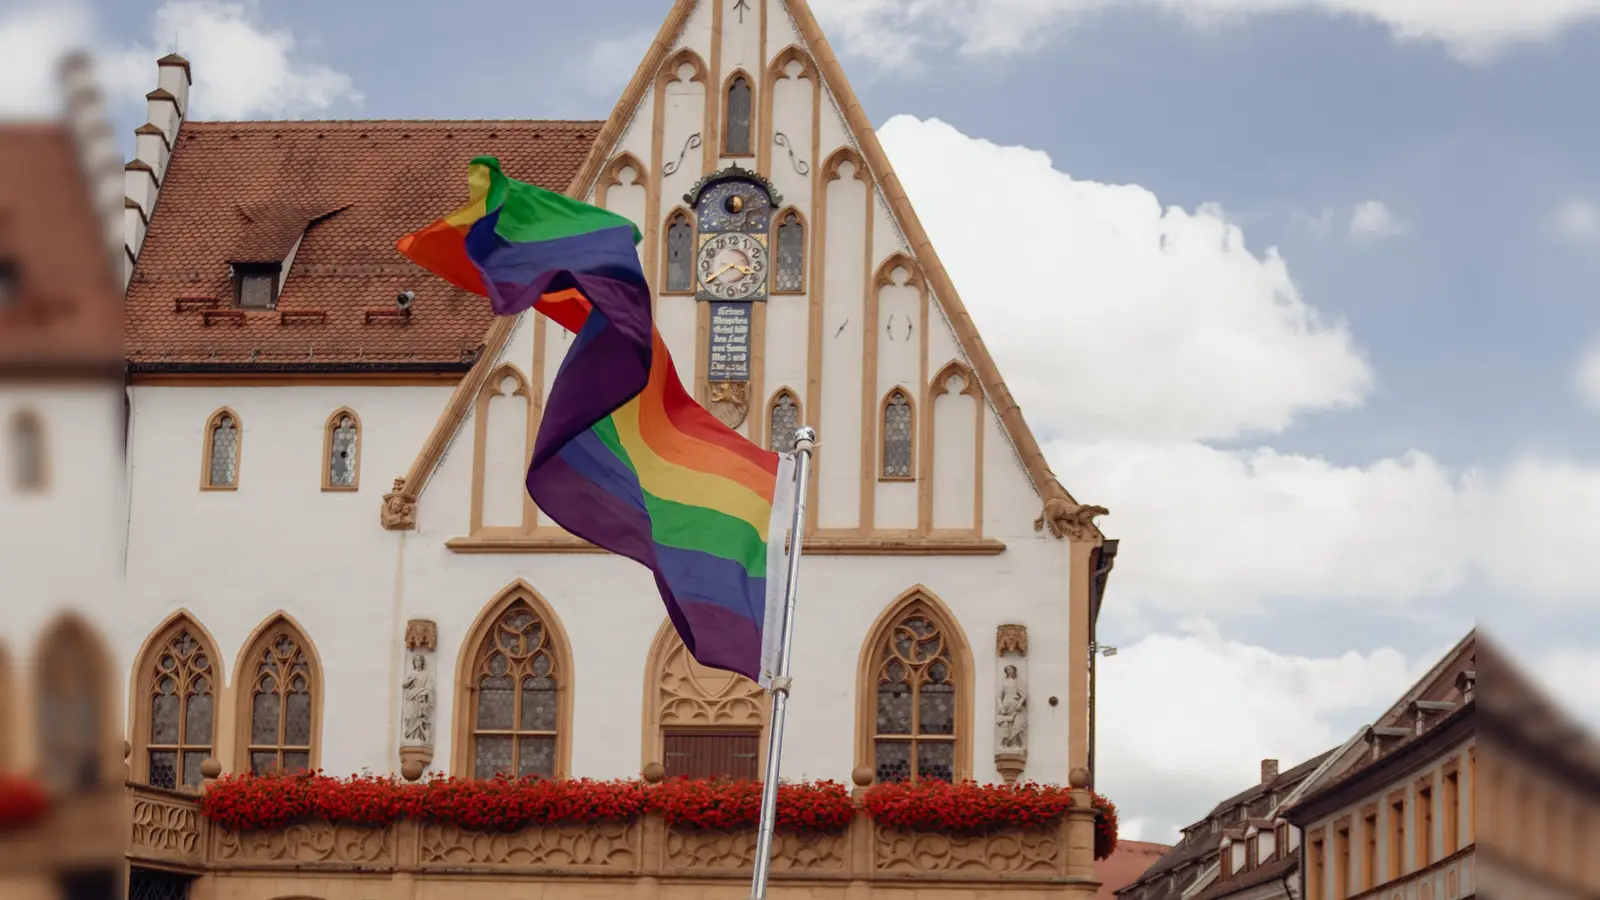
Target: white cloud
x,y
1169,333
32,41
898,33
1372,219
1587,376
1214,530
1283,707
242,67
1577,220
1165,323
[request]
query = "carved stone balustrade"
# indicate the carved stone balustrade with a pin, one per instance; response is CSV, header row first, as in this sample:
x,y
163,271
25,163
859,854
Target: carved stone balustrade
x,y
656,861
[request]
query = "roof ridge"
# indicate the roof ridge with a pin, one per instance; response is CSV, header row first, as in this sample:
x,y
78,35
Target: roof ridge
x,y
354,124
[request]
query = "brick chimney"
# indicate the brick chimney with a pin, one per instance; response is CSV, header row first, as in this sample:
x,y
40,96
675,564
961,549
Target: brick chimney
x,y
96,145
1269,771
153,145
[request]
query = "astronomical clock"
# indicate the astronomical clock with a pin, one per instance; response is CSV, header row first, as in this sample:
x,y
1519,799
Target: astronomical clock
x,y
733,217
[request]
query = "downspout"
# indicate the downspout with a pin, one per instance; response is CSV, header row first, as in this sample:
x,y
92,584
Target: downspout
x,y
1105,557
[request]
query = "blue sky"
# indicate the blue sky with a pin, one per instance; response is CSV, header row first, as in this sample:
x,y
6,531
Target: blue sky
x,y
1469,297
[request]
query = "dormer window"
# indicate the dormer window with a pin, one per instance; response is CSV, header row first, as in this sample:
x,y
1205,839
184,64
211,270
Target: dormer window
x,y
256,285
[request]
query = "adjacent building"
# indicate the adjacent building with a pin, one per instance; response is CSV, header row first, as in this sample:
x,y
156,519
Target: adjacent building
x,y
1252,845
1401,821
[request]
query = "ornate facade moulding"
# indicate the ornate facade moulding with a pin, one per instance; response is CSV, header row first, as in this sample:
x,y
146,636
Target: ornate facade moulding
x,y
814,546
1011,639
734,172
644,858
422,634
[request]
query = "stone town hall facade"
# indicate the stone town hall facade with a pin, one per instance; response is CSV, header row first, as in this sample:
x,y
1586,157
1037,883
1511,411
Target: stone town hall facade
x,y
331,562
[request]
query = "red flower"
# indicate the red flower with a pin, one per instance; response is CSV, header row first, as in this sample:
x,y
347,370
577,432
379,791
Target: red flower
x,y
23,802
974,808
268,802
731,805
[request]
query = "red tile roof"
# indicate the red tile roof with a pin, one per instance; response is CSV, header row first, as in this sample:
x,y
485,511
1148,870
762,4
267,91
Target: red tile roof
x,y
1124,866
248,192
60,303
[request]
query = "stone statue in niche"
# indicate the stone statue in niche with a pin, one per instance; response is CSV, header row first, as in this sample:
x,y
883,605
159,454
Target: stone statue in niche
x,y
1011,701
419,690
1011,720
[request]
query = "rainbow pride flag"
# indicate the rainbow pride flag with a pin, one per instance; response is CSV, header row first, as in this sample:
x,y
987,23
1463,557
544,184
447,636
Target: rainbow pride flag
x,y
625,458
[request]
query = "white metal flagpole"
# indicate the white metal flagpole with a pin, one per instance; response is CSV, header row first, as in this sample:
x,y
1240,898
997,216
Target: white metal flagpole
x,y
805,440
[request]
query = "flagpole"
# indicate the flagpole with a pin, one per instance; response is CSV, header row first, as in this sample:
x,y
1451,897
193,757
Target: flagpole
x,y
805,440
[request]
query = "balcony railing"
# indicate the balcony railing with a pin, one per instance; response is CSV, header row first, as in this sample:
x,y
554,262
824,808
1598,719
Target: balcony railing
x,y
168,830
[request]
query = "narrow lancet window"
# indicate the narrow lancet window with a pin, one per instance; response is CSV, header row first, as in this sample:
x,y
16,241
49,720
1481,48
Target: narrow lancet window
x,y
739,118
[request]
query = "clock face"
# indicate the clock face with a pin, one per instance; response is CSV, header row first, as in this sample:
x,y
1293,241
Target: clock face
x,y
732,266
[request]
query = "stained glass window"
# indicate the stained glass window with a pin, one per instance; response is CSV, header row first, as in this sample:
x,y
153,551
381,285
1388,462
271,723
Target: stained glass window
x,y
785,422
739,118
281,699
680,253
517,712
790,273
181,710
223,470
342,451
897,435
915,722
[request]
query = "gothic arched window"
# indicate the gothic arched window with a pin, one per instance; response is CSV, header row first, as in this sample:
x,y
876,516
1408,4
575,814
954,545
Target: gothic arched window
x,y
27,452
221,461
342,452
783,421
280,697
72,707
737,125
899,436
516,689
916,683
789,275
177,681
680,253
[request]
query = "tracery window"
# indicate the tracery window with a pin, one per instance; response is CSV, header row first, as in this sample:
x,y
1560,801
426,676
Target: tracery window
x,y
737,130
343,459
789,275
516,718
27,451
915,703
280,692
680,253
221,468
179,684
784,419
898,435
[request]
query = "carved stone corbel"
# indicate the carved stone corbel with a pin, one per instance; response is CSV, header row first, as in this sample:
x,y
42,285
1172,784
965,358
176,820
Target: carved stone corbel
x,y
1069,520
399,508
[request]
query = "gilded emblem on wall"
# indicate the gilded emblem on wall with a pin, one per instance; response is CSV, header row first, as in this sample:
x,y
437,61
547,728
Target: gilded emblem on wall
x,y
729,401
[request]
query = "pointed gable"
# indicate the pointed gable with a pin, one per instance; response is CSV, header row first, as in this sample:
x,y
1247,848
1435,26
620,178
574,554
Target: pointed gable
x,y
876,344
